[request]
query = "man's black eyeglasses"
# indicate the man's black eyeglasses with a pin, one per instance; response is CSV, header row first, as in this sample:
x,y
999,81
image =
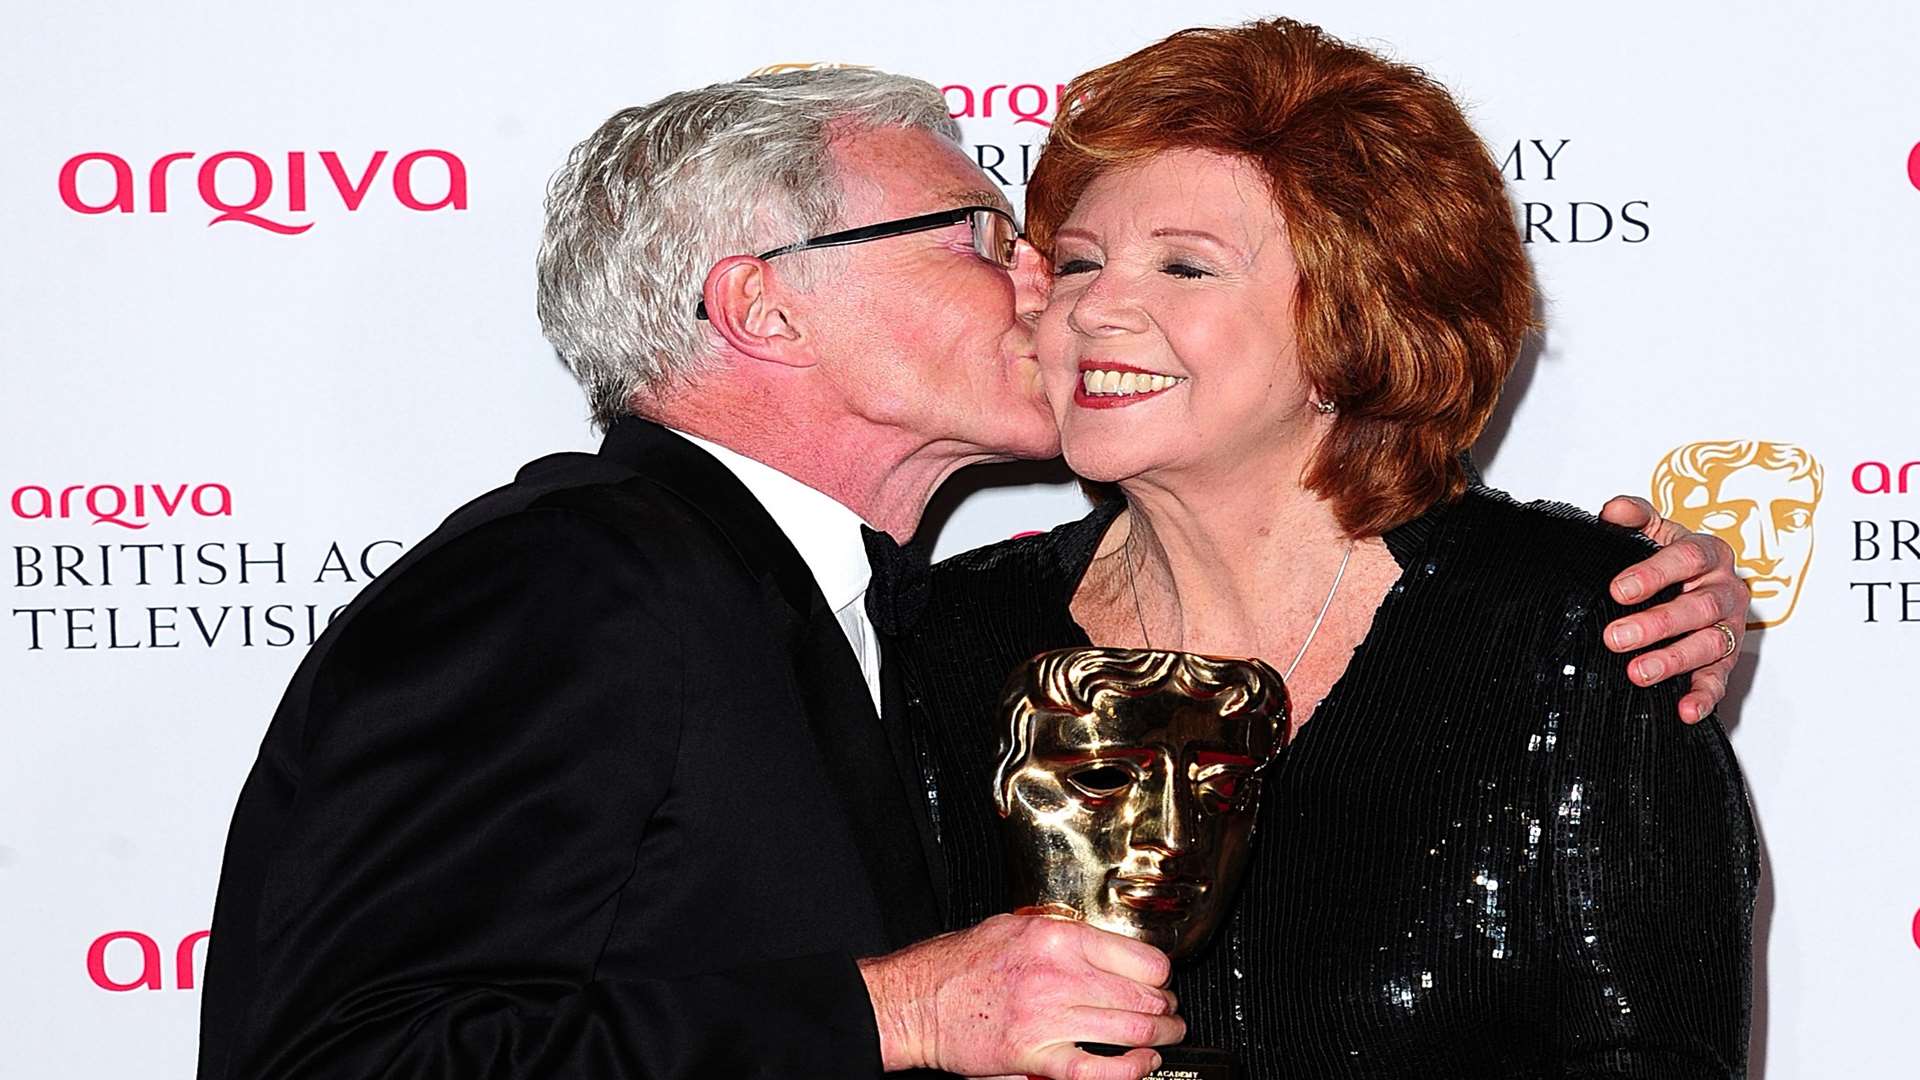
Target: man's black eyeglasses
x,y
994,236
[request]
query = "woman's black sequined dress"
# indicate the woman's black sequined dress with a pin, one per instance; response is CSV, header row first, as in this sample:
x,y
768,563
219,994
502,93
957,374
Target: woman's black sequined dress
x,y
1486,855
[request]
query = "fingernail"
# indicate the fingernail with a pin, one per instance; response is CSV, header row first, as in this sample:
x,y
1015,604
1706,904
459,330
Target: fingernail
x,y
1651,669
1629,587
1626,636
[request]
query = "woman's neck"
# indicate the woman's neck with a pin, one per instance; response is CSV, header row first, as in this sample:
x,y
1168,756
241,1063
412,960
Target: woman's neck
x,y
1257,569
1226,564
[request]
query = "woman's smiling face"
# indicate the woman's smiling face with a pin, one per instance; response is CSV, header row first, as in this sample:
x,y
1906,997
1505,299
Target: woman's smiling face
x,y
1168,339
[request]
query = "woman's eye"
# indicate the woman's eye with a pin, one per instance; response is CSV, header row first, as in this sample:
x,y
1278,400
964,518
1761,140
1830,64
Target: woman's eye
x,y
1075,266
1101,780
1183,270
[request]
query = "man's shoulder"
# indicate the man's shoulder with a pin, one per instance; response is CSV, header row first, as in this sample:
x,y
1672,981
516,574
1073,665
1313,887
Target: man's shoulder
x,y
569,527
584,499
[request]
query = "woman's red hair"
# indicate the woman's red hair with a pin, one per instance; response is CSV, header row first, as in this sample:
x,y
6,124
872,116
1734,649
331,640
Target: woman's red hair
x,y
1414,294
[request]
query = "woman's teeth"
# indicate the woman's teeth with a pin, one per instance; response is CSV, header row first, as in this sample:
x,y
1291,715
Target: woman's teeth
x,y
1125,382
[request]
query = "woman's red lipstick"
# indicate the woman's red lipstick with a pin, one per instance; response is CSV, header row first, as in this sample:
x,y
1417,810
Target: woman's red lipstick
x,y
1114,401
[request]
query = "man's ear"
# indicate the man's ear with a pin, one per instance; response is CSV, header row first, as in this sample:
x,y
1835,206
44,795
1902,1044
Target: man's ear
x,y
745,305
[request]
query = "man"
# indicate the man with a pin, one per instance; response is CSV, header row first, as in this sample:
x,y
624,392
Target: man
x,y
596,780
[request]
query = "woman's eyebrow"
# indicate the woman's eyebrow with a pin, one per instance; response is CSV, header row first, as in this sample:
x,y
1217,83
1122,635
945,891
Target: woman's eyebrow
x,y
1194,234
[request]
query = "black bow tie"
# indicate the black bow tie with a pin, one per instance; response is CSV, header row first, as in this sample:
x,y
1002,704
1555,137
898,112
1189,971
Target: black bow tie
x,y
901,578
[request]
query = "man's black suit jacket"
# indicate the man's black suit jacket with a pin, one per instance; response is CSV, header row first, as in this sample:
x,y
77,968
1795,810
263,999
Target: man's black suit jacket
x,y
588,784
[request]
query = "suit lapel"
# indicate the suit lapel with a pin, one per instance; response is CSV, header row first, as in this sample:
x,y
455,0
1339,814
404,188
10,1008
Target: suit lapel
x,y
860,760
912,759
875,781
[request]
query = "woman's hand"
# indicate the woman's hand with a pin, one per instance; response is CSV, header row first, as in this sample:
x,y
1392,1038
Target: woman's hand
x,y
1711,597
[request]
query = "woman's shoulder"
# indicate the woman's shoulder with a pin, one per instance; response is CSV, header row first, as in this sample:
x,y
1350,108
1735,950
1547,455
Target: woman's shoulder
x,y
990,608
1541,545
1056,556
1535,576
1008,597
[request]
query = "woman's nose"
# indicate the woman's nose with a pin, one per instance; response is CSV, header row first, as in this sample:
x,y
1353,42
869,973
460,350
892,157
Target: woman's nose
x,y
1105,307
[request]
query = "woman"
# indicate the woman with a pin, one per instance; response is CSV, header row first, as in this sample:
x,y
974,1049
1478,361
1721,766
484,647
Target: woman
x,y
1287,290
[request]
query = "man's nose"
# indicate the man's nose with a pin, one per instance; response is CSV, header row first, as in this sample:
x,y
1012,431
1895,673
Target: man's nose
x,y
1032,281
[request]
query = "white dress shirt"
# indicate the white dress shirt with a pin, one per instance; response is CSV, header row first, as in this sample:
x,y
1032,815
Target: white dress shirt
x,y
827,536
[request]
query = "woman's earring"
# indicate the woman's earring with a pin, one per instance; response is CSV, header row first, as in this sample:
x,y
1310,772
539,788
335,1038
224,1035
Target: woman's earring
x,y
1322,406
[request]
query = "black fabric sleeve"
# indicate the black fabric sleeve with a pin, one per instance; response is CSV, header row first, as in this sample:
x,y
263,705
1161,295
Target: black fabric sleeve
x,y
484,746
1653,876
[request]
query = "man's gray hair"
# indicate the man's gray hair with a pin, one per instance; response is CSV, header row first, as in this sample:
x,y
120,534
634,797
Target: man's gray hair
x,y
648,203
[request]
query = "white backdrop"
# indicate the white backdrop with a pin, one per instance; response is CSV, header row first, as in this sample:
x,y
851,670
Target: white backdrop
x,y
283,391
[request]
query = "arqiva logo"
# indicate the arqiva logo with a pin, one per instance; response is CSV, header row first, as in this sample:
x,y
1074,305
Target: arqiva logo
x,y
237,185
1026,103
1913,166
151,974
111,504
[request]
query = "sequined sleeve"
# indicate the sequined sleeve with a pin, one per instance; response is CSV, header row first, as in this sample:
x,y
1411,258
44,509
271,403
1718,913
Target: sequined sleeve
x,y
1653,874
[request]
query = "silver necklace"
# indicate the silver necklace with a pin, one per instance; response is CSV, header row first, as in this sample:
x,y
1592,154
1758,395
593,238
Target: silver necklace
x,y
1312,632
1134,589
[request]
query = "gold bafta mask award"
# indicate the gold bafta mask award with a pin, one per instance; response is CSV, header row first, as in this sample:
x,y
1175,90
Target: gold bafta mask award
x,y
1127,788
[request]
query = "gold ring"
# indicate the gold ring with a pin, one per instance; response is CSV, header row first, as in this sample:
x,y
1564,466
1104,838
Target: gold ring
x,y
1733,640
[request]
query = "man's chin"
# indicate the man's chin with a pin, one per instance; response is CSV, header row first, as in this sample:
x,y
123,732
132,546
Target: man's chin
x,y
1040,440
1045,449
1040,443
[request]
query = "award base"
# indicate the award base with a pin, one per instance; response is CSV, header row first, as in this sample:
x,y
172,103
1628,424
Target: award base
x,y
1180,1062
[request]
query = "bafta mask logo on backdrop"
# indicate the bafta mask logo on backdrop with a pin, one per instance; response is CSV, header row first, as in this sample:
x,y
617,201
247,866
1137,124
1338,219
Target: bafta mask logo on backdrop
x,y
804,65
1757,496
238,186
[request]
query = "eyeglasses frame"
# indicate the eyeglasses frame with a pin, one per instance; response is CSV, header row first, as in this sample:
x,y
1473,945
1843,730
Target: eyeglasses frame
x,y
939,219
